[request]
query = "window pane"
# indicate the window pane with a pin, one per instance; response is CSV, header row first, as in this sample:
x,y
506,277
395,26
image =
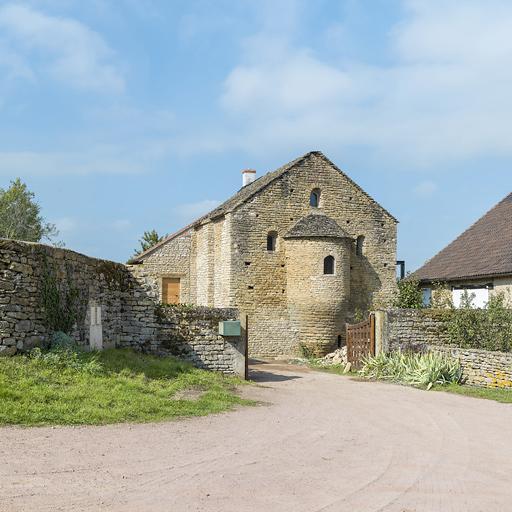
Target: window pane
x,y
314,198
271,241
329,265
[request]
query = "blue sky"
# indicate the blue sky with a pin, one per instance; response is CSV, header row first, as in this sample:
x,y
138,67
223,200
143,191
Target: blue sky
x,y
127,115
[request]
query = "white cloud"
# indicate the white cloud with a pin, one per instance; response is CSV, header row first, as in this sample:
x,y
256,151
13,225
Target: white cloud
x,y
425,189
66,224
192,211
62,47
446,95
94,160
121,224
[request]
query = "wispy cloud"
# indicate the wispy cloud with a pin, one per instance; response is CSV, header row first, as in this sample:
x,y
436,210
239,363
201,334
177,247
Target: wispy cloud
x,y
60,47
66,224
101,160
191,211
444,97
425,189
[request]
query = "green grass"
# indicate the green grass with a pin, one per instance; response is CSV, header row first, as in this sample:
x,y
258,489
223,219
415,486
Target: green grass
x,y
499,395
70,388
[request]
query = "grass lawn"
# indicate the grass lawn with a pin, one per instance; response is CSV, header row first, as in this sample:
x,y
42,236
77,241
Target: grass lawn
x,y
70,388
499,395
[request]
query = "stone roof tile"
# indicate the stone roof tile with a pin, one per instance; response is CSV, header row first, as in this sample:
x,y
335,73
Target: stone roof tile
x,y
316,225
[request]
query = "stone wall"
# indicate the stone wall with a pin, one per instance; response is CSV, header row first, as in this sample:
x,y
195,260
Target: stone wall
x,y
482,367
122,299
230,266
414,329
172,259
191,333
425,330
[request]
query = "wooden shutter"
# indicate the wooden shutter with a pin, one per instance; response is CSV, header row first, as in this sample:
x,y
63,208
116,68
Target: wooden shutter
x,y
171,288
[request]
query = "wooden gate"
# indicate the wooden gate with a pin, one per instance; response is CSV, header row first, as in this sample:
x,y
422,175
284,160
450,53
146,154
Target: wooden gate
x,y
360,341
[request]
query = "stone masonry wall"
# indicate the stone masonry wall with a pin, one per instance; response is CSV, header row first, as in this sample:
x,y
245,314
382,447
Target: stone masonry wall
x,y
260,277
131,315
413,329
171,260
423,330
230,265
482,367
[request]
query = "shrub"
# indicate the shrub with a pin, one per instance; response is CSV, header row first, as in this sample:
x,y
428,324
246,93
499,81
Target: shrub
x,y
60,339
414,369
410,295
488,329
65,358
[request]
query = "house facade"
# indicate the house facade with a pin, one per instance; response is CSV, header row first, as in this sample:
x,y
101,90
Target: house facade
x,y
478,262
298,251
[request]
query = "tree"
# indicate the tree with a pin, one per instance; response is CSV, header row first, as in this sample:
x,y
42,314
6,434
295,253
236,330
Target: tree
x,y
20,215
149,239
410,295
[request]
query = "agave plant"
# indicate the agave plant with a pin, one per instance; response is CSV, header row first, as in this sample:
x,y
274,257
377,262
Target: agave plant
x,y
414,369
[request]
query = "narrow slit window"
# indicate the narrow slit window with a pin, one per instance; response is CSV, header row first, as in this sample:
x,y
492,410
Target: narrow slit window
x,y
360,245
272,241
314,198
329,265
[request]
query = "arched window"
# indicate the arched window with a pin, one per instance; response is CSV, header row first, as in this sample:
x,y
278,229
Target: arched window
x,y
272,241
314,198
360,245
329,265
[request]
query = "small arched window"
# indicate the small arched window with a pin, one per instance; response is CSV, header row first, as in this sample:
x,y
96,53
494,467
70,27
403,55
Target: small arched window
x,y
272,241
314,198
329,265
360,245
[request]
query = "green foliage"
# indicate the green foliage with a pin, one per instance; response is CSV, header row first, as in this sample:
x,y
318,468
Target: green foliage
x,y
414,369
360,315
61,340
61,307
66,358
441,297
69,387
499,395
409,295
489,328
148,240
306,351
20,215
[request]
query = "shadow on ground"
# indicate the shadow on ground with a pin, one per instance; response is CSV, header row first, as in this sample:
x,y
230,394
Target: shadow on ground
x,y
258,371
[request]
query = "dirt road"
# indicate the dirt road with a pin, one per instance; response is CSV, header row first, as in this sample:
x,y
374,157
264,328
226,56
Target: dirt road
x,y
324,443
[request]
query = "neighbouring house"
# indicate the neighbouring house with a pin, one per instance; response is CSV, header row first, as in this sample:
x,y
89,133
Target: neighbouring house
x,y
298,251
479,260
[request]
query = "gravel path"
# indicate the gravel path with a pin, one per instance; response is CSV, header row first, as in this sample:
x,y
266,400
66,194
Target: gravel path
x,y
322,443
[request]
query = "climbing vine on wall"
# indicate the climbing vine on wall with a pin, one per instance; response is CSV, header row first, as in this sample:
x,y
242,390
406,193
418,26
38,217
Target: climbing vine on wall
x,y
61,306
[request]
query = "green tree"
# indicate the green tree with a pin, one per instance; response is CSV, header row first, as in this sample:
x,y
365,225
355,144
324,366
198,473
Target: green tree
x,y
20,215
148,240
409,295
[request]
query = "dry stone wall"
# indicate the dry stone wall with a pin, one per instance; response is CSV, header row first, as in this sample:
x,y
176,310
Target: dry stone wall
x,y
35,276
413,329
425,330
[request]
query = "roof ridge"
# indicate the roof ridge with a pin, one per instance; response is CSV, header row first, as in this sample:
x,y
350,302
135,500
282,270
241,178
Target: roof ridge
x,y
247,192
345,175
278,172
461,236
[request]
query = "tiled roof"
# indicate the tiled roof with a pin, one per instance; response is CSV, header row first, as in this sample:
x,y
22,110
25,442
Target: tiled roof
x,y
246,193
483,250
316,225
